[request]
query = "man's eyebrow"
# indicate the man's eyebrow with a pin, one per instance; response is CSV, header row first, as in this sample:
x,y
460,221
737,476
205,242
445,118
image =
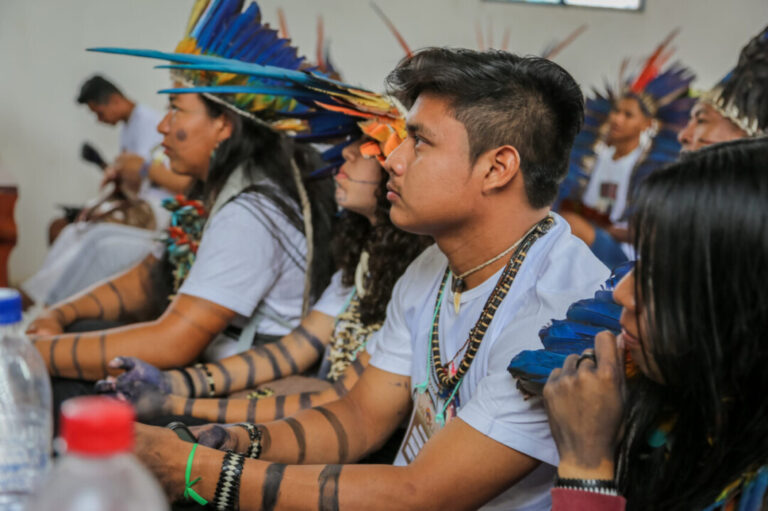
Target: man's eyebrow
x,y
418,129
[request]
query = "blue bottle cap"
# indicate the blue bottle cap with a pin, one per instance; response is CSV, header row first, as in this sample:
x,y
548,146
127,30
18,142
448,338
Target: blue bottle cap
x,y
10,306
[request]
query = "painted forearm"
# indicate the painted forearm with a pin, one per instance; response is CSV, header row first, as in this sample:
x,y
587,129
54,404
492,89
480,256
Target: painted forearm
x,y
266,409
126,296
173,340
274,487
293,354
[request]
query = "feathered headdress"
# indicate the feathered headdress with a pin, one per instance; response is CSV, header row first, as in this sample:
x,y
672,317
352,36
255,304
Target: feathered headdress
x,y
228,55
663,96
742,95
223,29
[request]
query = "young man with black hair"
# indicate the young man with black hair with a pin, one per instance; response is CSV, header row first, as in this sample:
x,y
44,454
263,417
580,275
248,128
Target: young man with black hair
x,y
489,139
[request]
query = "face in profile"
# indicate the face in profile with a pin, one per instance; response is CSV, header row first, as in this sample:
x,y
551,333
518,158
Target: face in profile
x,y
626,122
190,134
706,127
431,184
106,112
634,329
357,181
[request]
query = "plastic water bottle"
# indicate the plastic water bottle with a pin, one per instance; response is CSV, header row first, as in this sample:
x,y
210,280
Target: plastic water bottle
x,y
98,471
25,409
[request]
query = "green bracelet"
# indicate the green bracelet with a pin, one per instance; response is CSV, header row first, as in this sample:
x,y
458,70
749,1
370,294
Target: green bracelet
x,y
189,493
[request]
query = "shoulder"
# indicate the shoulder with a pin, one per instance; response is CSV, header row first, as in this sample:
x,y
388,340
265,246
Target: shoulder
x,y
565,264
148,114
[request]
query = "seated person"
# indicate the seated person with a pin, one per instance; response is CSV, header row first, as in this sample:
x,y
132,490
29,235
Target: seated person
x,y
489,136
618,149
372,253
688,431
248,282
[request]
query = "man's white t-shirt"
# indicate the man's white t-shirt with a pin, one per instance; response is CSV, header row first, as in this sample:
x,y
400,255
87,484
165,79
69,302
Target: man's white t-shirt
x,y
139,136
251,260
558,270
139,133
609,183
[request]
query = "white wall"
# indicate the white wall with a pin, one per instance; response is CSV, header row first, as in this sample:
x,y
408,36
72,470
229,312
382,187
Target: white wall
x,y
43,64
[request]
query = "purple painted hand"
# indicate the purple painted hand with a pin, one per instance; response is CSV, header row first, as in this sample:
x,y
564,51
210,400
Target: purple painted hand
x,y
218,436
142,384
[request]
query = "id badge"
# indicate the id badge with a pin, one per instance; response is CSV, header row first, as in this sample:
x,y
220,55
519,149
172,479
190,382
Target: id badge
x,y
425,422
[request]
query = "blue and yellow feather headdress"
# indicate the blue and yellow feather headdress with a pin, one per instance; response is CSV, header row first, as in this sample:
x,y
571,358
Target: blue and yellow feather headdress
x,y
663,96
231,57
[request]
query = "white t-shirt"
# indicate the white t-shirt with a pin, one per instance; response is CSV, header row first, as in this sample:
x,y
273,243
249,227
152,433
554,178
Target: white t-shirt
x,y
609,183
241,265
139,133
558,270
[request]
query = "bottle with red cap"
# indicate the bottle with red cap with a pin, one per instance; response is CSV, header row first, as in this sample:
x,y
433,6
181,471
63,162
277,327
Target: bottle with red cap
x,y
98,471
25,409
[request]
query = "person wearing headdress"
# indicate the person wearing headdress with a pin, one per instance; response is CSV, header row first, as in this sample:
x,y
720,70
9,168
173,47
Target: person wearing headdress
x,y
627,134
737,107
468,176
245,262
339,331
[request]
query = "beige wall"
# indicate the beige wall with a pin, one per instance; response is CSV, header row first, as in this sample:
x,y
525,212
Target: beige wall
x,y
43,64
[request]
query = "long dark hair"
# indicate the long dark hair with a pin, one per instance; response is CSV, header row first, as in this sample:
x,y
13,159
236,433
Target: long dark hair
x,y
263,152
701,230
391,251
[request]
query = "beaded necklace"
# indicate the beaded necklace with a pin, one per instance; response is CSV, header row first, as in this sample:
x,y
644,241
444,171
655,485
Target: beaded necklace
x,y
446,381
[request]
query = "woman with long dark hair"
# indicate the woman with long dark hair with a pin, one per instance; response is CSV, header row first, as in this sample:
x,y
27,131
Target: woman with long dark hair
x,y
263,257
690,430
371,253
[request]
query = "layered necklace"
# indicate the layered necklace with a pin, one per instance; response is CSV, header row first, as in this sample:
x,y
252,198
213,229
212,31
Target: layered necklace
x,y
449,380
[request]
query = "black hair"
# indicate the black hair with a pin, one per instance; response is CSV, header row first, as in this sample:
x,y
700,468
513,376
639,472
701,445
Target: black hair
x,y
97,89
530,103
390,249
747,89
701,231
262,152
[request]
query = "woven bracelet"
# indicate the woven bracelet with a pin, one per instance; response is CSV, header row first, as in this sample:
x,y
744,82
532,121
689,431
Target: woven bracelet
x,y
254,434
601,486
227,493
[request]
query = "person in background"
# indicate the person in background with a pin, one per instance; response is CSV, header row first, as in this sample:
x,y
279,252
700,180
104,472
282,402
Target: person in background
x,y
628,133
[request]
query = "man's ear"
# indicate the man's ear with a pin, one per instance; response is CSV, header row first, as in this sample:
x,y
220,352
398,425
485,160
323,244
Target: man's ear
x,y
502,165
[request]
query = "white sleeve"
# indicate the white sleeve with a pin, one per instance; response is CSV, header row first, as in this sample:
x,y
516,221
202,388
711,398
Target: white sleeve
x,y
238,260
334,298
147,136
497,408
394,351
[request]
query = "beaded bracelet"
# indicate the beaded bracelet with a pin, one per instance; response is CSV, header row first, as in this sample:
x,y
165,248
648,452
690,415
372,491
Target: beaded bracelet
x,y
187,381
254,434
227,493
601,486
208,378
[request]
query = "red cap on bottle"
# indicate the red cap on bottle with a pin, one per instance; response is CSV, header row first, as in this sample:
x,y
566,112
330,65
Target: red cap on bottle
x,y
97,425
